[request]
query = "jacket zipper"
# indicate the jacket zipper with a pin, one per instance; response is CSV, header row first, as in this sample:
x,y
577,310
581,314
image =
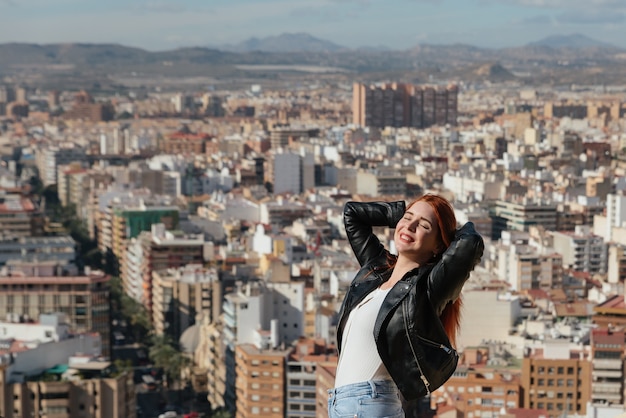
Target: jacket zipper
x,y
408,337
448,350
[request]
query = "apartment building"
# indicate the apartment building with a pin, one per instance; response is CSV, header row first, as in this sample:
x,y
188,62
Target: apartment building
x,y
559,383
470,185
85,108
397,104
183,296
50,157
582,250
324,380
186,142
488,314
520,214
20,217
210,359
261,376
284,136
301,377
56,248
128,221
157,250
481,391
290,171
244,311
524,268
84,299
281,212
104,395
68,177
608,352
616,264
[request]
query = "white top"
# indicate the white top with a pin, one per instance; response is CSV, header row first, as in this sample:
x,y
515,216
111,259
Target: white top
x,y
359,360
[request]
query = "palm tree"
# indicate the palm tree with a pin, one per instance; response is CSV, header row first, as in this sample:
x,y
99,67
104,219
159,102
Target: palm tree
x,y
164,353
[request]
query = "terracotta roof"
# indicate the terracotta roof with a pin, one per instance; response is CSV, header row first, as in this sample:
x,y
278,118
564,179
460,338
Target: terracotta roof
x,y
577,309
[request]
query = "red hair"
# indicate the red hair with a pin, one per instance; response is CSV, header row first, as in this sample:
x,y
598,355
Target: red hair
x,y
446,221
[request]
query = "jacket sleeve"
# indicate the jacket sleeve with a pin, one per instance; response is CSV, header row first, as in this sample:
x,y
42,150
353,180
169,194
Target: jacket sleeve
x,y
448,276
360,217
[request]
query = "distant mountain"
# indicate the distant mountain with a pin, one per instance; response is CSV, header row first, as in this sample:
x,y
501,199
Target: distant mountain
x,y
277,58
286,42
575,40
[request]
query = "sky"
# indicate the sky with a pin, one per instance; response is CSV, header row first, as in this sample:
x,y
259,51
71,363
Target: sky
x,y
398,24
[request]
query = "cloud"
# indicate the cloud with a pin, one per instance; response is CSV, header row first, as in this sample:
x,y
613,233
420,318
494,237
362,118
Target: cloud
x,y
536,20
591,17
572,4
158,6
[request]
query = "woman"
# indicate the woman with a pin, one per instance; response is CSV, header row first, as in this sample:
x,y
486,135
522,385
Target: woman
x,y
399,318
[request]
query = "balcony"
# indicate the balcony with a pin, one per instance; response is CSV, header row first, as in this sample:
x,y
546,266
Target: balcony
x,y
606,388
607,364
599,374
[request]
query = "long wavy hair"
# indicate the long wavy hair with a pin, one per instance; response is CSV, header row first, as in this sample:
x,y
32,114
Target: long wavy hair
x,y
446,221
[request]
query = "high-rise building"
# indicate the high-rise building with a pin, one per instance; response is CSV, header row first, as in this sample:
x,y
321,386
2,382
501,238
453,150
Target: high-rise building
x,y
582,250
49,158
182,297
607,352
155,251
558,383
301,377
397,105
260,381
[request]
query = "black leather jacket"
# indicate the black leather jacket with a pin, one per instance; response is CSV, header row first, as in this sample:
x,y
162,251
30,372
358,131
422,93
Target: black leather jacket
x,y
414,304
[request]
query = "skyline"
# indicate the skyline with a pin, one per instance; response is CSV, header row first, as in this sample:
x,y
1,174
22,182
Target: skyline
x,y
397,24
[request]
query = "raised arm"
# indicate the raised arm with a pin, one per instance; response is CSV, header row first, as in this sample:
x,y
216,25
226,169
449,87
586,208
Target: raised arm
x,y
447,278
360,217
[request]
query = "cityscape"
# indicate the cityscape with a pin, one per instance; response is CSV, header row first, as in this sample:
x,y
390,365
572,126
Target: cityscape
x,y
172,240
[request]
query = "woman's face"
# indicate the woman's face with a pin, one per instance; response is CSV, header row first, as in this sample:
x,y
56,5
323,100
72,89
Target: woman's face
x,y
417,233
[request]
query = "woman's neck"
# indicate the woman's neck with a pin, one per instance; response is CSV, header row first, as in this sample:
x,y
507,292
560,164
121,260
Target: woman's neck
x,y
403,265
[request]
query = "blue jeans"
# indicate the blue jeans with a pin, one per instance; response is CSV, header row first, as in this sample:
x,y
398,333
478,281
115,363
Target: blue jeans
x,y
371,399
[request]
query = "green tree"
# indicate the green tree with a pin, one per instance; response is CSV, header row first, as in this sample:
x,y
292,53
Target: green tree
x,y
126,308
165,353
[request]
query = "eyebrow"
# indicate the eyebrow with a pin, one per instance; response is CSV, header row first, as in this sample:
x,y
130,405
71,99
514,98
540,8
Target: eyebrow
x,y
408,212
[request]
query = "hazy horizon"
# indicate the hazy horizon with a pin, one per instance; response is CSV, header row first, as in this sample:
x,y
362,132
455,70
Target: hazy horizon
x,y
396,24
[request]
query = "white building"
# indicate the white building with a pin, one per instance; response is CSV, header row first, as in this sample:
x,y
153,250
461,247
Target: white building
x,y
582,250
287,173
48,158
487,315
472,186
288,309
30,349
51,327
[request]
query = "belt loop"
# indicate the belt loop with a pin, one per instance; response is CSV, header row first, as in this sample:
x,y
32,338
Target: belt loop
x,y
373,386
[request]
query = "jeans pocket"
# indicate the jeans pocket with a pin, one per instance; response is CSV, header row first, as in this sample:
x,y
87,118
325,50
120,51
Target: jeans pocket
x,y
343,408
382,406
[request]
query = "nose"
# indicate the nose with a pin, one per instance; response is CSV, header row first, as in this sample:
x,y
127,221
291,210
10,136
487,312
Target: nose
x,y
412,226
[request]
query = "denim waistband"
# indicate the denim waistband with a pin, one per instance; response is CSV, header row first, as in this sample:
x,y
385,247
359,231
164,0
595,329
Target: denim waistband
x,y
370,387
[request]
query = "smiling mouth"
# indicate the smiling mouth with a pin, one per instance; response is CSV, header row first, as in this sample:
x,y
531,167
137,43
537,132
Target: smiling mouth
x,y
405,238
